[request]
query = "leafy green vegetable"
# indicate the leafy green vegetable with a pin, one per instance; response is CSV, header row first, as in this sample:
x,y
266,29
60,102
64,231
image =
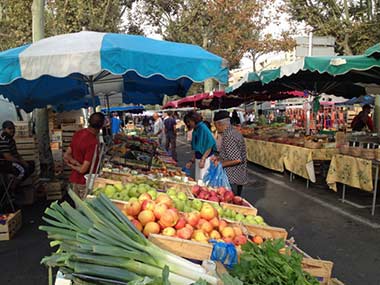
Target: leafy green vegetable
x,y
265,265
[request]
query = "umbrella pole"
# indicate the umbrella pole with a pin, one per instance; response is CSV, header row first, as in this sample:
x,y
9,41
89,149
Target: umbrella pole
x,y
92,91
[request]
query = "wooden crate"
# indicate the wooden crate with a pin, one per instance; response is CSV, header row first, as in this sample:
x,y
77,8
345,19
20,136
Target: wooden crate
x,y
321,269
54,190
12,225
185,248
245,210
68,127
267,232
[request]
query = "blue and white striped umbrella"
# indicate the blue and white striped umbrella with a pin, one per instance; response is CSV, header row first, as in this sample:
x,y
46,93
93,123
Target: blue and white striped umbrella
x,y
56,69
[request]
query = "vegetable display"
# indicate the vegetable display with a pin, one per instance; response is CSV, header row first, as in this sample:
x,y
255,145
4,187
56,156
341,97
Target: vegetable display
x,y
97,239
265,265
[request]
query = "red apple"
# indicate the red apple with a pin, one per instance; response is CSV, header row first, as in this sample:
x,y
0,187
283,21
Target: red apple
x,y
165,199
195,190
146,216
221,191
228,239
133,208
238,200
214,199
159,209
228,232
193,218
206,227
228,196
148,205
199,236
137,224
215,235
168,219
222,225
214,222
181,223
184,233
145,196
208,212
240,240
151,228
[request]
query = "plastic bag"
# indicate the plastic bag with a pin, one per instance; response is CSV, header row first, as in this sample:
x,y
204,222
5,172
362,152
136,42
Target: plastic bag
x,y
216,176
225,252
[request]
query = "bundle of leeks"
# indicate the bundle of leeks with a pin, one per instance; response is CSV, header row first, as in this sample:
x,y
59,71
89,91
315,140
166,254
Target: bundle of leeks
x,y
97,239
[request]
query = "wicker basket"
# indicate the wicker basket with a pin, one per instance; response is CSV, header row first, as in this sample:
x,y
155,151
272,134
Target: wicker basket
x,y
355,151
344,149
368,153
377,154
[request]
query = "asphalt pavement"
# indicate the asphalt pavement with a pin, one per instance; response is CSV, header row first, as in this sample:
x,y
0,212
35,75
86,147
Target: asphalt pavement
x,y
321,225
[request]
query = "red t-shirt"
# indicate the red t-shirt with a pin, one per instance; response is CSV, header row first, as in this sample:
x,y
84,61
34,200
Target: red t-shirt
x,y
83,145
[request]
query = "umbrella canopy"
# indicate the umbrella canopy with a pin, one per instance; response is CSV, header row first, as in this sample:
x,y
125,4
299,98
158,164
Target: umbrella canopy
x,y
373,51
55,69
331,75
128,109
362,100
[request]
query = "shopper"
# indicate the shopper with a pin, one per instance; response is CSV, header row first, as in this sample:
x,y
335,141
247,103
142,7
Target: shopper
x,y
202,143
115,124
232,153
262,121
11,162
158,128
80,154
235,120
170,134
363,120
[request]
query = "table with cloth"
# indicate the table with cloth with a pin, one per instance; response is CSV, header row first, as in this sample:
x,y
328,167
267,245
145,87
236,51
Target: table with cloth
x,y
355,172
295,159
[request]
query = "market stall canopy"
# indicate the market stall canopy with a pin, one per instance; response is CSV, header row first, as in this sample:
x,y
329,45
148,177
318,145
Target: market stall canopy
x,y
373,51
76,104
331,75
127,109
55,69
362,100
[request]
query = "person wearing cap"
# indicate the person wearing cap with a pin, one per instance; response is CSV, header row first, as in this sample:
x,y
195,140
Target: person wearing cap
x,y
10,160
363,120
232,152
202,143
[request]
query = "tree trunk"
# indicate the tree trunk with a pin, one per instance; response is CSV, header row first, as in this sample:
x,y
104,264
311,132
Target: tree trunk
x,y
41,115
209,83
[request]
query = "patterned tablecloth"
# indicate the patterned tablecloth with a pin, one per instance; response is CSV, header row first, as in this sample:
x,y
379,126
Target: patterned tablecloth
x,y
352,171
278,157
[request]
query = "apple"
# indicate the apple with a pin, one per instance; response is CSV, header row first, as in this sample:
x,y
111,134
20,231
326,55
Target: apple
x,y
195,190
133,208
182,196
215,235
148,205
200,223
208,212
239,217
146,216
159,209
145,196
197,204
228,196
240,240
214,199
200,236
137,224
257,239
152,193
184,233
259,220
181,223
221,190
214,222
171,232
206,227
228,232
228,239
165,199
222,225
151,228
193,218
238,200
237,231
169,218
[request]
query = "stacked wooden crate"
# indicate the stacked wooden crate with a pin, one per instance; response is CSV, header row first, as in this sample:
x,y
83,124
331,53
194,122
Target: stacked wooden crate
x,y
54,190
68,130
56,150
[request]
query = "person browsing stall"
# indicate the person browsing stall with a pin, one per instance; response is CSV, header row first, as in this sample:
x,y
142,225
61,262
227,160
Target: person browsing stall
x,y
158,128
363,120
232,152
202,143
79,154
170,134
10,160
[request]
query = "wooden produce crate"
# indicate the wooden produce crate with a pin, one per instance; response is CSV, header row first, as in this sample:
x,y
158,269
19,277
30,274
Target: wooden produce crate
x,y
54,190
267,232
12,225
321,269
245,210
185,248
179,187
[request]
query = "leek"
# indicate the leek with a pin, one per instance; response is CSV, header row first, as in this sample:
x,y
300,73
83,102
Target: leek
x,y
97,239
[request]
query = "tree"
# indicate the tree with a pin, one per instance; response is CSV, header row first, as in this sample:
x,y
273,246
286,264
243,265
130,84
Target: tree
x,y
228,28
354,24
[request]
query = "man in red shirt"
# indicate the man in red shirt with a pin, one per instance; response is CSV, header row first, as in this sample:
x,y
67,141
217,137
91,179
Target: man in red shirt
x,y
363,120
79,154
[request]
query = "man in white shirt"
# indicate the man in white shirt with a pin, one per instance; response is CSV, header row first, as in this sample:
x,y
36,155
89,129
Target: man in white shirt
x,y
158,128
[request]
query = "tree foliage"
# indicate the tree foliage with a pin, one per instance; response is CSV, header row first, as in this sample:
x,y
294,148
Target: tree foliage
x,y
354,24
61,16
228,28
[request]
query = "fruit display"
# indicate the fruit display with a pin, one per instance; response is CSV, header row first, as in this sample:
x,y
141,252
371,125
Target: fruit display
x,y
221,194
174,214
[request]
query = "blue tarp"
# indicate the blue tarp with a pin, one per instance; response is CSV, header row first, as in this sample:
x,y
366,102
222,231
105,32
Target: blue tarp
x,y
131,109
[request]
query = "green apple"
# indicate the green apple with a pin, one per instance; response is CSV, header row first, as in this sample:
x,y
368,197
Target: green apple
x,y
109,191
187,209
197,204
152,193
182,196
133,192
259,220
239,217
133,199
118,186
